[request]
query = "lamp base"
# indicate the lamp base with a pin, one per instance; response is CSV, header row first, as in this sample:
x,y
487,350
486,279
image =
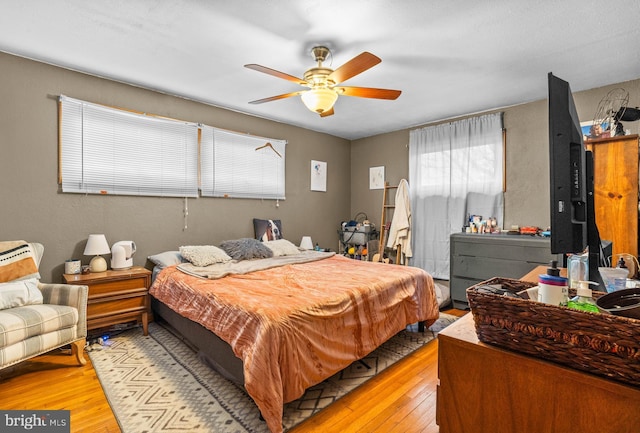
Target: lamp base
x,y
98,264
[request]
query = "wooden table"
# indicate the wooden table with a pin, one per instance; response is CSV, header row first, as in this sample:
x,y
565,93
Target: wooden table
x,y
485,389
116,296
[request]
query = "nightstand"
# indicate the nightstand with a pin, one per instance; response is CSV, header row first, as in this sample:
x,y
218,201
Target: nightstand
x,y
116,296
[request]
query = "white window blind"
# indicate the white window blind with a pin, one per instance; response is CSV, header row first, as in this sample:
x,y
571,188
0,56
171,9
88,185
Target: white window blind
x,y
110,151
241,165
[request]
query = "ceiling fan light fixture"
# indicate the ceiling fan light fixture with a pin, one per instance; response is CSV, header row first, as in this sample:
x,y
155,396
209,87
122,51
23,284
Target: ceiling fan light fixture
x,y
320,99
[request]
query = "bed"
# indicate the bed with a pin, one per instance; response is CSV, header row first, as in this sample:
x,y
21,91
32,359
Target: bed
x,y
290,322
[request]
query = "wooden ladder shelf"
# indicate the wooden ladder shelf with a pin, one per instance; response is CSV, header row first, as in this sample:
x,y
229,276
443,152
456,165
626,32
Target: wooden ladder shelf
x,y
385,224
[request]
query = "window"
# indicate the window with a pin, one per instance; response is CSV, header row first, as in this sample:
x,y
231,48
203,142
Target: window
x,y
104,150
110,151
241,165
455,170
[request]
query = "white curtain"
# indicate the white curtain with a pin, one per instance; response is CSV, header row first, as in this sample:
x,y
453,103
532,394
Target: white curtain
x,y
455,170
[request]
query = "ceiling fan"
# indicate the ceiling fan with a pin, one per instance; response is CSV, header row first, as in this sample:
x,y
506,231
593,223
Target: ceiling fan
x,y
323,82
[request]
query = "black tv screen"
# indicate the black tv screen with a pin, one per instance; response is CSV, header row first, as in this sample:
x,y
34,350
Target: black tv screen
x,y
567,163
573,223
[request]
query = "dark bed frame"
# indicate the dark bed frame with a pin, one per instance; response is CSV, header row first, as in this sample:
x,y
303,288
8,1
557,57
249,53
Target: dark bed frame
x,y
211,349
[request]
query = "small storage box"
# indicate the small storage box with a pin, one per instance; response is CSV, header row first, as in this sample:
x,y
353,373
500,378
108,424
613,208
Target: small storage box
x,y
602,344
356,235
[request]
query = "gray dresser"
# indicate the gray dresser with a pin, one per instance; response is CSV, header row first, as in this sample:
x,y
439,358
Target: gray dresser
x,y
479,257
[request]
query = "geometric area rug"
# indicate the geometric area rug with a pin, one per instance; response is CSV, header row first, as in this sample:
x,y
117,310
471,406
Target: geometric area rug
x,y
158,384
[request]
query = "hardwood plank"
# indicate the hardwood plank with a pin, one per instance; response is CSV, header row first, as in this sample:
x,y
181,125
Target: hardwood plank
x,y
56,381
402,398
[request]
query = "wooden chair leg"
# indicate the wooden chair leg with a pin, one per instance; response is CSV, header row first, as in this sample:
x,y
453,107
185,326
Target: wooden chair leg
x,y
77,350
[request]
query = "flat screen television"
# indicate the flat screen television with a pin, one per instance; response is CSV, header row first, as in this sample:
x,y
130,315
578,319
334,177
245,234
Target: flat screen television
x,y
573,224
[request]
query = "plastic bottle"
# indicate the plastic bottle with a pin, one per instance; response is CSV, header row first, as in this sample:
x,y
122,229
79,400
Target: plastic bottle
x,y
552,288
583,300
620,282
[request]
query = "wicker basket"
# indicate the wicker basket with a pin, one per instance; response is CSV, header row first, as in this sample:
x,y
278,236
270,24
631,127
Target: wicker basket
x,y
602,344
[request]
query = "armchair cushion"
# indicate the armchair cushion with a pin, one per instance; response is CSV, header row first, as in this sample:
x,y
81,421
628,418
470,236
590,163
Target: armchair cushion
x,y
21,323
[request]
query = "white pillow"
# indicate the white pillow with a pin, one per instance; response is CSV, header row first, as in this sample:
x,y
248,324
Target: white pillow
x,y
20,293
204,255
282,247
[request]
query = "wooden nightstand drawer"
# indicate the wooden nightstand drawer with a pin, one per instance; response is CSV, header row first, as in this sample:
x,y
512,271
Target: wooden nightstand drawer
x,y
116,296
122,301
100,289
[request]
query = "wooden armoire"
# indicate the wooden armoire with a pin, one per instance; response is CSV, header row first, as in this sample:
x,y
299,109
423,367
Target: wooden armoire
x,y
616,191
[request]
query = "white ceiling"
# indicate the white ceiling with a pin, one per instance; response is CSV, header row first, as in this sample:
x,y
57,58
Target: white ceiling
x,y
449,57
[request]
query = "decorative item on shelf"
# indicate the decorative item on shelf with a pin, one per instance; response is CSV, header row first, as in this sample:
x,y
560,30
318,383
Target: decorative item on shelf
x,y
306,243
72,266
122,254
475,224
96,245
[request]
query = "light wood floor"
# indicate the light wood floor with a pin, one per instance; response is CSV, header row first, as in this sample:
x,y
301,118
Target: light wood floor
x,y
401,399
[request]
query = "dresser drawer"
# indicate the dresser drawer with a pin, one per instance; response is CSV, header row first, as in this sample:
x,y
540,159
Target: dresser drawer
x,y
109,287
112,306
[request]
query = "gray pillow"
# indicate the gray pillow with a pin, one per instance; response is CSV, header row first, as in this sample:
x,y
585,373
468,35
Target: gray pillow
x,y
245,249
168,258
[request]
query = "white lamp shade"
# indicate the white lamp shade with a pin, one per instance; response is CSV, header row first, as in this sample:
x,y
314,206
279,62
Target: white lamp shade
x,y
319,100
306,243
96,244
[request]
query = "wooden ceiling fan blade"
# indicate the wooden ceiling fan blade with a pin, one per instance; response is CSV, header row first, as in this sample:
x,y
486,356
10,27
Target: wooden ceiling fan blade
x,y
327,113
275,73
368,92
275,98
353,67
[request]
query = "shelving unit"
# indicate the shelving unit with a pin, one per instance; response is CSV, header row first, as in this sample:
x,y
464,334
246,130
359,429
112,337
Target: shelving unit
x,y
369,244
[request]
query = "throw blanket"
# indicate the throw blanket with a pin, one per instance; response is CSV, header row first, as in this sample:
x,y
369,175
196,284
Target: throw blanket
x,y
295,325
240,267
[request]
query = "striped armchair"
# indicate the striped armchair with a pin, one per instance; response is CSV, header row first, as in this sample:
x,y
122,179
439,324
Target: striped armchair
x,y
30,330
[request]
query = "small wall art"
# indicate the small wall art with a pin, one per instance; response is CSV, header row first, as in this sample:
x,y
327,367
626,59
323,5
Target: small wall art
x,y
318,176
376,177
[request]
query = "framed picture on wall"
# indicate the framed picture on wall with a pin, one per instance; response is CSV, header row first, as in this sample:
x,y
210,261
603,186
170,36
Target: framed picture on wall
x,y
592,131
318,176
376,177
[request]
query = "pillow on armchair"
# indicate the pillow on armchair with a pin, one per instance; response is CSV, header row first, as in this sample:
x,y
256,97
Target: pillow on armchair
x,y
20,293
18,261
19,274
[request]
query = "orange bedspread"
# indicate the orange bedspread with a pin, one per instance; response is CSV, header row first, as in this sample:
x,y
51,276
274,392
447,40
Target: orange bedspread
x,y
294,326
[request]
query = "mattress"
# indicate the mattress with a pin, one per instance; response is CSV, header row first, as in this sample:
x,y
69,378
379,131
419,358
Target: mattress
x,y
295,325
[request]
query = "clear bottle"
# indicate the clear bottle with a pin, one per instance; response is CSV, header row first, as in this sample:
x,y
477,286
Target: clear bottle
x,y
583,300
620,283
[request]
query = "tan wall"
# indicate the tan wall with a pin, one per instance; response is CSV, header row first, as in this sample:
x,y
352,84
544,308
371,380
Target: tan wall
x,y
34,209
527,157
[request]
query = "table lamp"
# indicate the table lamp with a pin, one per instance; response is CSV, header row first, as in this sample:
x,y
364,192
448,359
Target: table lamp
x,y
96,245
306,243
